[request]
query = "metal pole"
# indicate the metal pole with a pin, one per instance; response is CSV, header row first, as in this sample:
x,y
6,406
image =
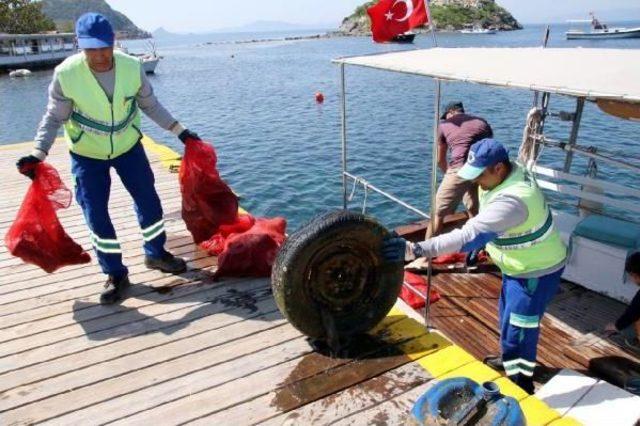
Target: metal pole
x,y
344,138
395,199
434,172
545,40
434,181
577,118
432,26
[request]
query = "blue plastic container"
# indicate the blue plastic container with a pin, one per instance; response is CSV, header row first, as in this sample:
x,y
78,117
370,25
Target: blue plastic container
x,y
461,401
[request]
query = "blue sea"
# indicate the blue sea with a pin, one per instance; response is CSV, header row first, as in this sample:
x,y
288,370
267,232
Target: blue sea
x,y
282,152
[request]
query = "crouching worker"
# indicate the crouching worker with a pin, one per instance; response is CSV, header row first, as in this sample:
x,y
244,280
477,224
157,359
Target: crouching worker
x,y
516,225
629,322
97,95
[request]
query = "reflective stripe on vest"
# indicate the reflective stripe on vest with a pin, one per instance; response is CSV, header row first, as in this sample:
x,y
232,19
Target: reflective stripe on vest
x,y
92,125
526,239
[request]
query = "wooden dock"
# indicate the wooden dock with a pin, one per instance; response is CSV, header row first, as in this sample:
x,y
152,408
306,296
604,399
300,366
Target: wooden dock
x,y
185,349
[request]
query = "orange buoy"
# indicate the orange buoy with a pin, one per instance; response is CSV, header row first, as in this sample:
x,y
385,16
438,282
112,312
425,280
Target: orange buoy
x,y
319,97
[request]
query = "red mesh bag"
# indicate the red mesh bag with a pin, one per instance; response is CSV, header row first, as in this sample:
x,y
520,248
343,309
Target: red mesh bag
x,y
37,236
419,283
215,244
207,202
450,259
252,253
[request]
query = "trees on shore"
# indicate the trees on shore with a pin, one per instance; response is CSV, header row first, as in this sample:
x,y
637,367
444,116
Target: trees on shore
x,y
23,17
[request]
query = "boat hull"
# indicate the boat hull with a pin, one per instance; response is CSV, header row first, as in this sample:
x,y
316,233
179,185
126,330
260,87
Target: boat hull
x,y
404,38
34,61
630,33
150,65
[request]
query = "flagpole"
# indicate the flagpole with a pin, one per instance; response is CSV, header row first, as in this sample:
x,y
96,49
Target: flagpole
x,y
434,172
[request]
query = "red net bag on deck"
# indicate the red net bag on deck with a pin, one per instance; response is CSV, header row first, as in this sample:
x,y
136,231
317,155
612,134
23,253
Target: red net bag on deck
x,y
419,283
251,253
207,202
36,235
245,246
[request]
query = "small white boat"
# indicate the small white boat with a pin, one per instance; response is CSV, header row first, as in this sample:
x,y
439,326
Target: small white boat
x,y
20,73
477,30
600,31
149,60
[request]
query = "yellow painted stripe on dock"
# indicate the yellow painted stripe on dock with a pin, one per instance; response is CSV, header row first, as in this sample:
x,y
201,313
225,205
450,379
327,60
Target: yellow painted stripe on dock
x,y
537,413
169,158
448,359
476,371
507,387
442,359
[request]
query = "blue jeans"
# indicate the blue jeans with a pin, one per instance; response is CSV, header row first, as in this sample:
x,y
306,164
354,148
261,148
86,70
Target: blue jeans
x,y
93,187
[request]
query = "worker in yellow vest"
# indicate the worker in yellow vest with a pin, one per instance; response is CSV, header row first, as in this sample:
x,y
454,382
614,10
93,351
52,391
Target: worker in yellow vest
x,y
97,95
517,228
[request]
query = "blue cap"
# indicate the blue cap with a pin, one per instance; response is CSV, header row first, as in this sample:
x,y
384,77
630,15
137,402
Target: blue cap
x,y
483,154
94,31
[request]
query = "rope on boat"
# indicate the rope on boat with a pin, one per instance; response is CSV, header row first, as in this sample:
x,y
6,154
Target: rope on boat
x,y
527,155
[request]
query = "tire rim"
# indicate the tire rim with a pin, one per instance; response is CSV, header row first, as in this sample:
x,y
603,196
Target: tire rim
x,y
337,278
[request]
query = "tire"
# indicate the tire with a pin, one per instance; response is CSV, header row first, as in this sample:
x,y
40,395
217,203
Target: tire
x,y
330,279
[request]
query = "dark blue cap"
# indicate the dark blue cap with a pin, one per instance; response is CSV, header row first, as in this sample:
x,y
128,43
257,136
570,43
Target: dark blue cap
x,y
94,31
483,154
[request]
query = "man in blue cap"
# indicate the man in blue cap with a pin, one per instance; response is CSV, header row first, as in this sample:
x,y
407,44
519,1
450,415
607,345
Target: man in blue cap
x,y
517,228
97,95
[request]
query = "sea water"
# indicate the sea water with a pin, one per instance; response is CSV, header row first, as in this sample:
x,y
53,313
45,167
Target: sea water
x,y
281,151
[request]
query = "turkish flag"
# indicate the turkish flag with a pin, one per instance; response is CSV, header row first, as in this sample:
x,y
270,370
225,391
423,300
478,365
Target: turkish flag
x,y
390,18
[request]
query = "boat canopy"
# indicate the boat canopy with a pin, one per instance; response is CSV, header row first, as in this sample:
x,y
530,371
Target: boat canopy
x,y
590,73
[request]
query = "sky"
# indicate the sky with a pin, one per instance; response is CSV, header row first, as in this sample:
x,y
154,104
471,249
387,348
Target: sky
x,y
204,15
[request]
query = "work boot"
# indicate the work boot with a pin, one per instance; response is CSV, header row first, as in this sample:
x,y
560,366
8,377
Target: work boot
x,y
116,290
167,263
495,362
525,383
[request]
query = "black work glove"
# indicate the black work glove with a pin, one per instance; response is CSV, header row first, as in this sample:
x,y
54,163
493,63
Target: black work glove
x,y
187,134
27,166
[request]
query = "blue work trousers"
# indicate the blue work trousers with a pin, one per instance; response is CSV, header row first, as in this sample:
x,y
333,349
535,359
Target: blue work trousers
x,y
523,302
93,186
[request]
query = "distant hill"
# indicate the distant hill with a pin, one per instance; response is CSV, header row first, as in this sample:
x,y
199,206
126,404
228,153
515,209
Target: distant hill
x,y
65,12
448,15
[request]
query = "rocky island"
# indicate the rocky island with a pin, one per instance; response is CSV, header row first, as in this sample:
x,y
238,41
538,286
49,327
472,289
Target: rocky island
x,y
448,15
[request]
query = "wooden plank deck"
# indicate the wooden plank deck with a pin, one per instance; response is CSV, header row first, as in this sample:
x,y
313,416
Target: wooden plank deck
x,y
185,349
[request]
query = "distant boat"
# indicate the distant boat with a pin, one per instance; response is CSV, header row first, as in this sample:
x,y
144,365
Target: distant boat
x,y
477,30
404,38
35,50
600,30
149,60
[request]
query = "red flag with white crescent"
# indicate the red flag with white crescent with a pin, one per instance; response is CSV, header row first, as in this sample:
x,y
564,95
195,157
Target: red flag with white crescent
x,y
390,18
